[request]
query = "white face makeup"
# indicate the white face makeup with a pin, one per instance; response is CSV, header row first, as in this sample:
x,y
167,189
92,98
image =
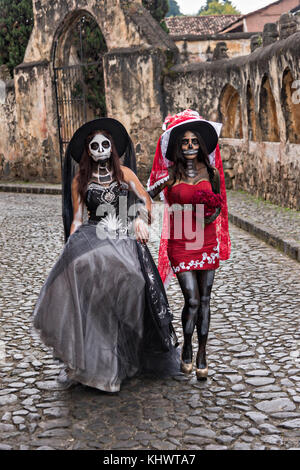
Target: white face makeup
x,y
100,148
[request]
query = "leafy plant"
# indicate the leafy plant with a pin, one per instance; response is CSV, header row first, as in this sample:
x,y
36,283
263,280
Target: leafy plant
x,y
218,7
16,23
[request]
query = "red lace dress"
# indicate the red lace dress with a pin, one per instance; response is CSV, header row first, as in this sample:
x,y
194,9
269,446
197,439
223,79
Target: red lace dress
x,y
183,258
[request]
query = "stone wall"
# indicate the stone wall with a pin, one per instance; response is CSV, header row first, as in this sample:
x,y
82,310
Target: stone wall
x,y
138,100
38,147
7,123
138,52
200,48
269,170
255,99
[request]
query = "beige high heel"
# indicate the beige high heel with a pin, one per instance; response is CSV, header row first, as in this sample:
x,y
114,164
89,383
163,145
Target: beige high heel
x,y
202,373
186,368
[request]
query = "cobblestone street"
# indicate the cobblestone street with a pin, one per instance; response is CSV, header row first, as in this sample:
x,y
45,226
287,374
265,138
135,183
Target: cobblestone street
x,y
250,400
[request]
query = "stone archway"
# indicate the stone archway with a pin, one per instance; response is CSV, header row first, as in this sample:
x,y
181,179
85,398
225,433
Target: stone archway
x,y
267,113
230,113
291,110
78,75
138,51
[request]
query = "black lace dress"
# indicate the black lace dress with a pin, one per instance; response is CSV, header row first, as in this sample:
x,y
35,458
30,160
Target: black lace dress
x,y
103,307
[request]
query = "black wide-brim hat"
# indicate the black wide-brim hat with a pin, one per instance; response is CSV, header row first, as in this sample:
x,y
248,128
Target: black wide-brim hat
x,y
209,132
114,127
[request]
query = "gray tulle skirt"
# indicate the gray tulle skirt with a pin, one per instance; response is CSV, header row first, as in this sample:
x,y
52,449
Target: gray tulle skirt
x,y
104,311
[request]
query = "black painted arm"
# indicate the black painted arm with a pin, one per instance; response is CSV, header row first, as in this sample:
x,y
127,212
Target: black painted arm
x,y
216,186
158,189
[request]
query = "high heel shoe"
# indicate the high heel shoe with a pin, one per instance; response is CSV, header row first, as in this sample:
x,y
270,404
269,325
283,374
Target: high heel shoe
x,y
186,368
202,373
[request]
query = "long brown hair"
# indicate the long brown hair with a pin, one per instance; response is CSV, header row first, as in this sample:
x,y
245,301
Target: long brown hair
x,y
180,161
86,164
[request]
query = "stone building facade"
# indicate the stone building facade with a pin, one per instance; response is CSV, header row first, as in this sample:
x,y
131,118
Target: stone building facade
x,y
256,20
196,48
197,37
256,97
138,52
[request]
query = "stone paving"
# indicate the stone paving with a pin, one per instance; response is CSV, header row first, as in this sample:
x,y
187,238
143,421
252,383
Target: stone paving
x,y
250,400
278,226
282,220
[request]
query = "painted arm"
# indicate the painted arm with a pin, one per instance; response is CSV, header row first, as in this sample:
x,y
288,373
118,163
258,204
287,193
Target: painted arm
x,y
77,207
144,212
216,189
136,186
159,187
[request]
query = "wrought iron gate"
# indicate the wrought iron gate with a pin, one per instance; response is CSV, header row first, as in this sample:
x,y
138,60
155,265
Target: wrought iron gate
x,y
72,100
79,88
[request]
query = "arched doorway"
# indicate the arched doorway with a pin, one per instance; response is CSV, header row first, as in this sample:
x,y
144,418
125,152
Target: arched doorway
x,y
78,75
267,113
291,109
230,113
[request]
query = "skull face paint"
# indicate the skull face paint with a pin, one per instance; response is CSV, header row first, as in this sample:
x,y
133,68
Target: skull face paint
x,y
190,145
100,148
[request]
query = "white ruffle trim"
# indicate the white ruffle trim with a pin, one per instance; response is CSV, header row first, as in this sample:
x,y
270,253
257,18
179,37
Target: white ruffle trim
x,y
157,183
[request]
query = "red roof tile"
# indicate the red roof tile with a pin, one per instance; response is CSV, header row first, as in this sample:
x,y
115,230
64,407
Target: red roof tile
x,y
199,25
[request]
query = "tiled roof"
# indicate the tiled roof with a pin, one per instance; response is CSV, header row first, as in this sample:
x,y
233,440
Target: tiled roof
x,y
199,25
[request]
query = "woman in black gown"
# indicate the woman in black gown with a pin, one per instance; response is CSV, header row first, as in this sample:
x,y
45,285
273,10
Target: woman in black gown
x,y
103,308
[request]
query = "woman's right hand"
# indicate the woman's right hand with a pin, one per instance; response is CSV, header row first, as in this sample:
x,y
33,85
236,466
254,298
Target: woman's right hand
x,y
141,231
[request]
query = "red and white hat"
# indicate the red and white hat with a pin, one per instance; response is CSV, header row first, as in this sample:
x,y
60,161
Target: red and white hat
x,y
184,121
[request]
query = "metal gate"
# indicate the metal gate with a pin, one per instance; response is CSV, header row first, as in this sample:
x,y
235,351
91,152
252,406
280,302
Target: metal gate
x,y
72,100
79,88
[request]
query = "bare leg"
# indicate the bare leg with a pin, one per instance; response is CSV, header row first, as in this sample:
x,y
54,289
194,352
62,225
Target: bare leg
x,y
205,283
189,286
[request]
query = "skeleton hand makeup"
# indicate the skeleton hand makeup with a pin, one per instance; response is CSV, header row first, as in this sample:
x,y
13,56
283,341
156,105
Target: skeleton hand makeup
x,y
189,144
100,148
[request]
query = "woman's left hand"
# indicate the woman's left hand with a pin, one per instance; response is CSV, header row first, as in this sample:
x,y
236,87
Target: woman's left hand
x,y
141,230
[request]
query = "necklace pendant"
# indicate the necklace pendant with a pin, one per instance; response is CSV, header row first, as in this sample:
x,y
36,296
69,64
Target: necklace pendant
x,y
105,178
109,197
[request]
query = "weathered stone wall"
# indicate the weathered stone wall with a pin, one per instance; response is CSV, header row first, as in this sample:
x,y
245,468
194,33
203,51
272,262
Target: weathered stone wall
x,y
269,170
138,51
7,122
253,97
142,110
37,123
200,49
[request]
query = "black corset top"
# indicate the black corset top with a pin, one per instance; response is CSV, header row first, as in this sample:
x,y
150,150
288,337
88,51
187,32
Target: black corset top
x,y
98,195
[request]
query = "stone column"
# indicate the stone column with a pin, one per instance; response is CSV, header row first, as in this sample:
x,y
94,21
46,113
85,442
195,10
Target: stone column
x,y
37,148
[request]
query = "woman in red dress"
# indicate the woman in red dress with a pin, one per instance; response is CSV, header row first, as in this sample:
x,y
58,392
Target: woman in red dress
x,y
188,177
